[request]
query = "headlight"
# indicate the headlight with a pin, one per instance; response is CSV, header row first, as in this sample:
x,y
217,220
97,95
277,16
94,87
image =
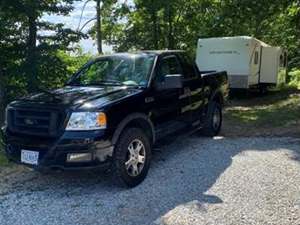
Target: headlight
x,y
82,121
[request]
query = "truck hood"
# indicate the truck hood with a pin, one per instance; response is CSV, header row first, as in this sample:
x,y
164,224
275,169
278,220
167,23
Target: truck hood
x,y
78,97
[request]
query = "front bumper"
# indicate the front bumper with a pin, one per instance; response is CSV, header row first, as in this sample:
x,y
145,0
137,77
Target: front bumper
x,y
53,153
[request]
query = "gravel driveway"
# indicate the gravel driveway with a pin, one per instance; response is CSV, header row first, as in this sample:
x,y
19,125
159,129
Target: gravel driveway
x,y
192,181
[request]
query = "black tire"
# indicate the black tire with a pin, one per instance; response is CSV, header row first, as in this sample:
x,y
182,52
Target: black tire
x,y
263,89
210,128
121,154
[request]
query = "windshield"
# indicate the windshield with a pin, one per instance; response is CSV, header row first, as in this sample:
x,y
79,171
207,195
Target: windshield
x,y
127,69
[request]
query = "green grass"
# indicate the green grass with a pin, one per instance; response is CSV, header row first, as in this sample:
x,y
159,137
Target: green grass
x,y
277,109
3,160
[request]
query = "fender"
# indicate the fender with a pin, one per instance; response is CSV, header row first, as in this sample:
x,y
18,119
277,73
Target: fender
x,y
217,95
218,85
130,118
214,95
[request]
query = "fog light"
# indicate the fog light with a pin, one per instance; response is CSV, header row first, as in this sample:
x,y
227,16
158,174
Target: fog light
x,y
79,157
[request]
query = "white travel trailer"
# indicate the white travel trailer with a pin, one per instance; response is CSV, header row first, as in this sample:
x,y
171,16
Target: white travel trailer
x,y
248,61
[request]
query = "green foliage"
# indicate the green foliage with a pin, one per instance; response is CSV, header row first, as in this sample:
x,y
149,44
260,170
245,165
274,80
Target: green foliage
x,y
155,24
57,68
73,62
30,46
294,78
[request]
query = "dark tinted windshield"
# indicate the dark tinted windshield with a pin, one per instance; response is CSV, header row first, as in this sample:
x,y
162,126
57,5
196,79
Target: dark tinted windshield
x,y
127,69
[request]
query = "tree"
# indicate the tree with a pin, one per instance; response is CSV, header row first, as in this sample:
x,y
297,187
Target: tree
x,y
104,10
286,30
107,13
29,46
154,24
139,27
99,27
49,38
12,53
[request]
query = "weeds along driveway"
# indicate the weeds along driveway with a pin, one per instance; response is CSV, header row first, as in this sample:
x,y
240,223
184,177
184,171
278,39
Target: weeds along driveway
x,y
192,181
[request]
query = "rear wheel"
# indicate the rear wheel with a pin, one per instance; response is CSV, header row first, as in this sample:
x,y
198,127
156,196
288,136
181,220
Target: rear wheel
x,y
263,89
132,157
214,120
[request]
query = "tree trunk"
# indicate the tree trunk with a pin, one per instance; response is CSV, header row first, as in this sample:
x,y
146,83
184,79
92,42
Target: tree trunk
x,y
31,64
170,24
155,30
99,27
154,25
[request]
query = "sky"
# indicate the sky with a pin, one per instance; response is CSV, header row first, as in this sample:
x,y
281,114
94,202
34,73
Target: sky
x,y
72,21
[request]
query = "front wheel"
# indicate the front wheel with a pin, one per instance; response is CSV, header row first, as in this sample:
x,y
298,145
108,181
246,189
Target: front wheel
x,y
132,156
214,119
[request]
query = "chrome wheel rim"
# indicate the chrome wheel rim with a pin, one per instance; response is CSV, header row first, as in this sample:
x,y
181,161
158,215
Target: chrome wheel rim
x,y
136,157
216,119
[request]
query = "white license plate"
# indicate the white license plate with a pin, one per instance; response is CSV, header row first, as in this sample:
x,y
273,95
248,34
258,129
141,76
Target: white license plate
x,y
29,157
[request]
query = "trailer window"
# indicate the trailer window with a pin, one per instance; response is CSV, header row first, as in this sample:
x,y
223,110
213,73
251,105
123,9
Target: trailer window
x,y
256,57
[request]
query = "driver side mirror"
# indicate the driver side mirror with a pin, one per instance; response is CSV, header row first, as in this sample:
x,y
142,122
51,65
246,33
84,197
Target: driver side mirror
x,y
173,81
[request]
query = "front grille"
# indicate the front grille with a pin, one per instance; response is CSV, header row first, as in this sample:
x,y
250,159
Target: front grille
x,y
35,122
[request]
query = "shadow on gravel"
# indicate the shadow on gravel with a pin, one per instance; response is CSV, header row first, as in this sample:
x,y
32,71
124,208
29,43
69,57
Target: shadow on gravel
x,y
183,170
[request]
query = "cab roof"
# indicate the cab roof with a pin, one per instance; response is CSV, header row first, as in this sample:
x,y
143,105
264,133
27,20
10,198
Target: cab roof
x,y
150,52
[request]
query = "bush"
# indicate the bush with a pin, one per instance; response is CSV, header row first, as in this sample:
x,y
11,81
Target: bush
x,y
294,78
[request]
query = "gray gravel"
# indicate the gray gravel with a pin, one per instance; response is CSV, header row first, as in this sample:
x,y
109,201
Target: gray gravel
x,y
192,181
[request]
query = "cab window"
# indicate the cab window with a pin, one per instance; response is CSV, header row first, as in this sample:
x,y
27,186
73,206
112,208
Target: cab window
x,y
169,66
188,67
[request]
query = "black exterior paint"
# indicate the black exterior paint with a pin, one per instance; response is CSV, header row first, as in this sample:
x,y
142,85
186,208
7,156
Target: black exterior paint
x,y
158,112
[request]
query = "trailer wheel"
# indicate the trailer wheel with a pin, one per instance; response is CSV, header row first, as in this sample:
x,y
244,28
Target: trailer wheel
x,y
263,89
214,120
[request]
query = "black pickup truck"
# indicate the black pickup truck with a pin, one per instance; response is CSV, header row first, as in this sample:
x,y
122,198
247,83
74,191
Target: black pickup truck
x,y
112,112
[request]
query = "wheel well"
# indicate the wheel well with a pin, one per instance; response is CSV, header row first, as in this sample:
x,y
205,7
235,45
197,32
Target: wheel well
x,y
218,98
136,120
144,125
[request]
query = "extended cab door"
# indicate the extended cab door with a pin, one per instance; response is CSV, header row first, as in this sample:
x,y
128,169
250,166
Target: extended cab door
x,y
167,113
194,89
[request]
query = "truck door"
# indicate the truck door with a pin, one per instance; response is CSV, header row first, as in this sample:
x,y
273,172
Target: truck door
x,y
194,85
168,114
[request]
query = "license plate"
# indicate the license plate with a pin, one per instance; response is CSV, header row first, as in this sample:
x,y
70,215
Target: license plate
x,y
29,157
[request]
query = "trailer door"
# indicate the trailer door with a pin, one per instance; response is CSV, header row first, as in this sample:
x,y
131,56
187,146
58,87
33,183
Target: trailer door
x,y
269,65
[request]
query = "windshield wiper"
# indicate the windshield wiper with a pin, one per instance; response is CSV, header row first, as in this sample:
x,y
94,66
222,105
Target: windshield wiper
x,y
112,81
